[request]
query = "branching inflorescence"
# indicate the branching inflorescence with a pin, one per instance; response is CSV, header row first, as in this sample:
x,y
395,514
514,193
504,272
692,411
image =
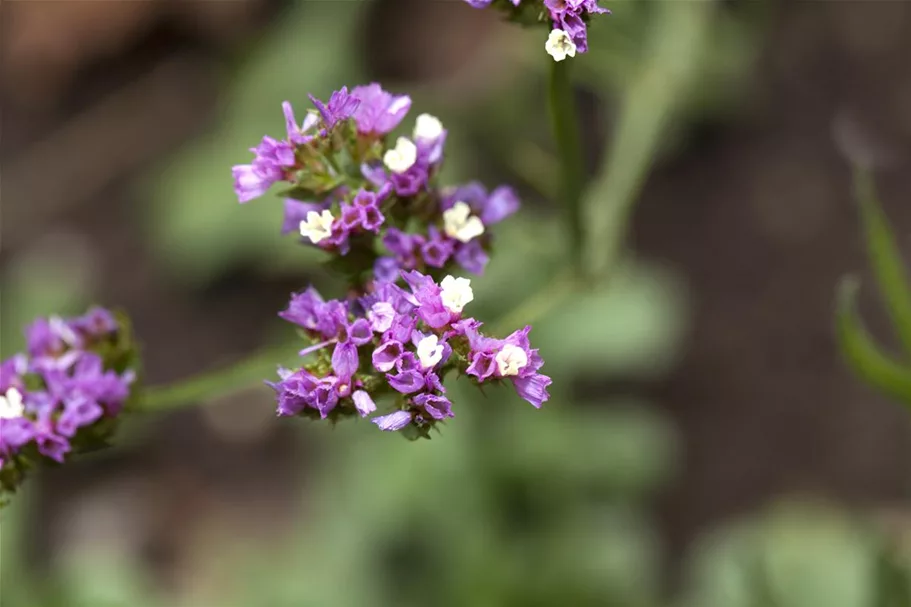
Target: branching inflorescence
x,y
65,393
568,20
374,205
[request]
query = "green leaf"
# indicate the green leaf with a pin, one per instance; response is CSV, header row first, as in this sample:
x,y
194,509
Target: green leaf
x,y
885,257
862,354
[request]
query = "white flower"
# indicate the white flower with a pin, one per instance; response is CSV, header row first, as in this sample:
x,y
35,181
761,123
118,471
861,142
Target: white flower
x,y
317,226
510,360
427,127
11,404
459,223
559,45
456,293
430,351
402,157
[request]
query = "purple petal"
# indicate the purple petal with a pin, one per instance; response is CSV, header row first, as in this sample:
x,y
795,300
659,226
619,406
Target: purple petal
x,y
363,403
533,388
385,357
344,359
406,382
360,332
501,203
393,421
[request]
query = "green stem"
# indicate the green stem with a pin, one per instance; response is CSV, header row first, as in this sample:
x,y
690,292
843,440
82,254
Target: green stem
x,y
537,305
220,382
565,127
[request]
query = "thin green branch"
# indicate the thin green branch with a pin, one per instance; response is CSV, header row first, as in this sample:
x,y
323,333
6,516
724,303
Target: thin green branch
x,y
537,305
220,382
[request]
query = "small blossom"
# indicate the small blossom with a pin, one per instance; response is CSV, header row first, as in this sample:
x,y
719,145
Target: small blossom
x,y
379,112
459,223
318,226
387,355
298,134
402,157
427,127
296,213
430,351
456,293
11,404
341,106
510,360
559,45
381,316
437,407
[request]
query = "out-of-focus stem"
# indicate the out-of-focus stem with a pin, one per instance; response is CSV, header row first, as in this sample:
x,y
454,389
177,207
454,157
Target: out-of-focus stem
x,y
565,128
220,382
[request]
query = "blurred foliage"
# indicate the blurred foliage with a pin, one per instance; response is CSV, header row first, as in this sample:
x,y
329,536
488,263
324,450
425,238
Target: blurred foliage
x,y
512,506
885,372
799,554
35,286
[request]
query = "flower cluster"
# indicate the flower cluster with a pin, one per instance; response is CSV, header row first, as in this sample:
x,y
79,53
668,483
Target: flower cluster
x,y
65,392
372,202
353,191
399,342
567,18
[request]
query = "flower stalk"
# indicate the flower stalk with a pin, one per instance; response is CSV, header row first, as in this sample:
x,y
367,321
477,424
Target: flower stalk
x,y
565,128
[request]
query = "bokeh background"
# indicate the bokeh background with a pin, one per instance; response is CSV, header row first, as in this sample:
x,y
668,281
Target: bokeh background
x,y
704,446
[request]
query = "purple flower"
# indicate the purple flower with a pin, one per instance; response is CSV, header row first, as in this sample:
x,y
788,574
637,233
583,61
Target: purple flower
x,y
294,391
393,421
78,412
493,208
298,134
406,382
510,358
385,356
360,332
308,310
570,15
386,269
11,372
472,256
49,337
97,322
341,106
437,407
344,360
379,112
437,250
381,314
427,295
50,443
367,204
272,158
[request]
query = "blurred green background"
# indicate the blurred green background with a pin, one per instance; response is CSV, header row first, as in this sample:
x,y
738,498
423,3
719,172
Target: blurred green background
x,y
703,446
